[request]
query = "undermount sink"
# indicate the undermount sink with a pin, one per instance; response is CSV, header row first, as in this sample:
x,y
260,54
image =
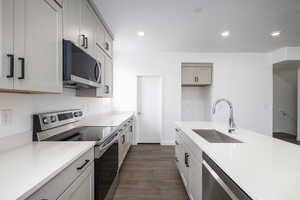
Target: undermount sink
x,y
214,136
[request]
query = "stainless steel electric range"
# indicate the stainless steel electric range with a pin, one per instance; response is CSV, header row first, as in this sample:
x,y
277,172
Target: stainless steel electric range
x,y
65,126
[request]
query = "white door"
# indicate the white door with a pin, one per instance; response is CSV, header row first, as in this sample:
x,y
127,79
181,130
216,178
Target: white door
x,y
149,109
6,44
38,46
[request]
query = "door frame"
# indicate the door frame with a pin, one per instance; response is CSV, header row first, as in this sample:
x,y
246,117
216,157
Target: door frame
x,y
138,104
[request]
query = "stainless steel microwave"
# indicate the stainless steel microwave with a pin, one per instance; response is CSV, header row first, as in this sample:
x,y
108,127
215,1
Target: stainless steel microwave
x,y
80,70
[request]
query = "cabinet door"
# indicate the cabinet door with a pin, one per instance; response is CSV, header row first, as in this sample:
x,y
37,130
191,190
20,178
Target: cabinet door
x,y
108,78
87,27
188,76
195,178
128,139
181,156
99,34
6,44
108,44
38,46
121,147
82,188
203,75
71,21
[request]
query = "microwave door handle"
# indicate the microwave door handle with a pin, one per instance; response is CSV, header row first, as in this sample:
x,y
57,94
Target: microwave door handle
x,y
96,72
100,72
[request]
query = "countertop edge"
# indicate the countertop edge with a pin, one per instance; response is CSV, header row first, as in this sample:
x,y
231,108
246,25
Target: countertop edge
x,y
55,173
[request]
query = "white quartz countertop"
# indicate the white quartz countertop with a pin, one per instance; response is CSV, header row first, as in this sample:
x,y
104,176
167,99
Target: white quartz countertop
x,y
264,167
25,169
112,119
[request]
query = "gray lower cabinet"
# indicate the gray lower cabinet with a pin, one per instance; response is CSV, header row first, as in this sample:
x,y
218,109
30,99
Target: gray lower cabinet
x,y
126,134
189,164
82,188
76,182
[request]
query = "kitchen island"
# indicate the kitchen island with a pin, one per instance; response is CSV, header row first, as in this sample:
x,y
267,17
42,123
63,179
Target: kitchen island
x,y
263,167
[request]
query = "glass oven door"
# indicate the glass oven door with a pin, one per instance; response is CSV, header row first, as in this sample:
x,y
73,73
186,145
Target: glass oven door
x,y
106,168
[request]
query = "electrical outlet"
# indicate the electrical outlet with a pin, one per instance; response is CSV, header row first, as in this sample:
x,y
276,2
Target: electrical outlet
x,y
5,117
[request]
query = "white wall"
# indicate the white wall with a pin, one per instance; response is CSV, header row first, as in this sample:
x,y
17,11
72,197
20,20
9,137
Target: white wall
x,y
23,106
196,103
245,79
285,98
285,54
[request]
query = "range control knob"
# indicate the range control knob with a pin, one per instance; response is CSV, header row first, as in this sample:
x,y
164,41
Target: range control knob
x,y
53,119
45,120
77,114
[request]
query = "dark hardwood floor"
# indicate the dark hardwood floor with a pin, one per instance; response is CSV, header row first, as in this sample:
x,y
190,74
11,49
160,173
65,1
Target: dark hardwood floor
x,y
286,137
149,173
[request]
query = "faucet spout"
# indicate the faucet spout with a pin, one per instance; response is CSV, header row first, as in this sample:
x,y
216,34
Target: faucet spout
x,y
232,125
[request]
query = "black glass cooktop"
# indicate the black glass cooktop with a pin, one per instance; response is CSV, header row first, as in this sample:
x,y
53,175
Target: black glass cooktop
x,y
86,133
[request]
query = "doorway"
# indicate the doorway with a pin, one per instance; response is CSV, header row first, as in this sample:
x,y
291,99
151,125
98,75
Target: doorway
x,y
149,109
285,101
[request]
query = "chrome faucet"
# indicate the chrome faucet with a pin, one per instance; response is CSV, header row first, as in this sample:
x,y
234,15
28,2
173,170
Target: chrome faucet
x,y
232,125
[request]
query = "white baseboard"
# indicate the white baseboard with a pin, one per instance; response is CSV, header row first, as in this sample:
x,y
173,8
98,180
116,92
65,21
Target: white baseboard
x,y
167,143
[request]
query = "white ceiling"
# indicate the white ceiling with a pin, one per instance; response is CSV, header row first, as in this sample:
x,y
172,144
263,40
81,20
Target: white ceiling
x,y
196,25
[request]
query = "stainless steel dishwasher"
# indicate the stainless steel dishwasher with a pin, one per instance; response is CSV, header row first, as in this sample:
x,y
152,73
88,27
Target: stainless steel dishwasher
x,y
217,185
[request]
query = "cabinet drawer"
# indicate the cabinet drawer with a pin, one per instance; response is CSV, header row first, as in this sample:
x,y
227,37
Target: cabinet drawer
x,y
56,186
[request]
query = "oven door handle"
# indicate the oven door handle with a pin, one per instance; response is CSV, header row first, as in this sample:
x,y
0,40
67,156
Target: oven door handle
x,y
103,147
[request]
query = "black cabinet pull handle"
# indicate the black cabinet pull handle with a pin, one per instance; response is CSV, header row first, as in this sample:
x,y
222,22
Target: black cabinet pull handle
x,y
86,41
186,160
84,164
11,65
106,46
123,139
22,68
106,89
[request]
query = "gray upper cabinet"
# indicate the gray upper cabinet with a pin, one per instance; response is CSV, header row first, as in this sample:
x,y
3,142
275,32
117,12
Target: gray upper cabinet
x,y
108,78
99,34
196,74
87,28
6,43
108,44
38,46
31,53
71,21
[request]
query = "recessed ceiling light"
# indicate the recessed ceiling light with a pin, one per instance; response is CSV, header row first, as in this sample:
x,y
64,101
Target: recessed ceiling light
x,y
275,34
225,33
140,33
